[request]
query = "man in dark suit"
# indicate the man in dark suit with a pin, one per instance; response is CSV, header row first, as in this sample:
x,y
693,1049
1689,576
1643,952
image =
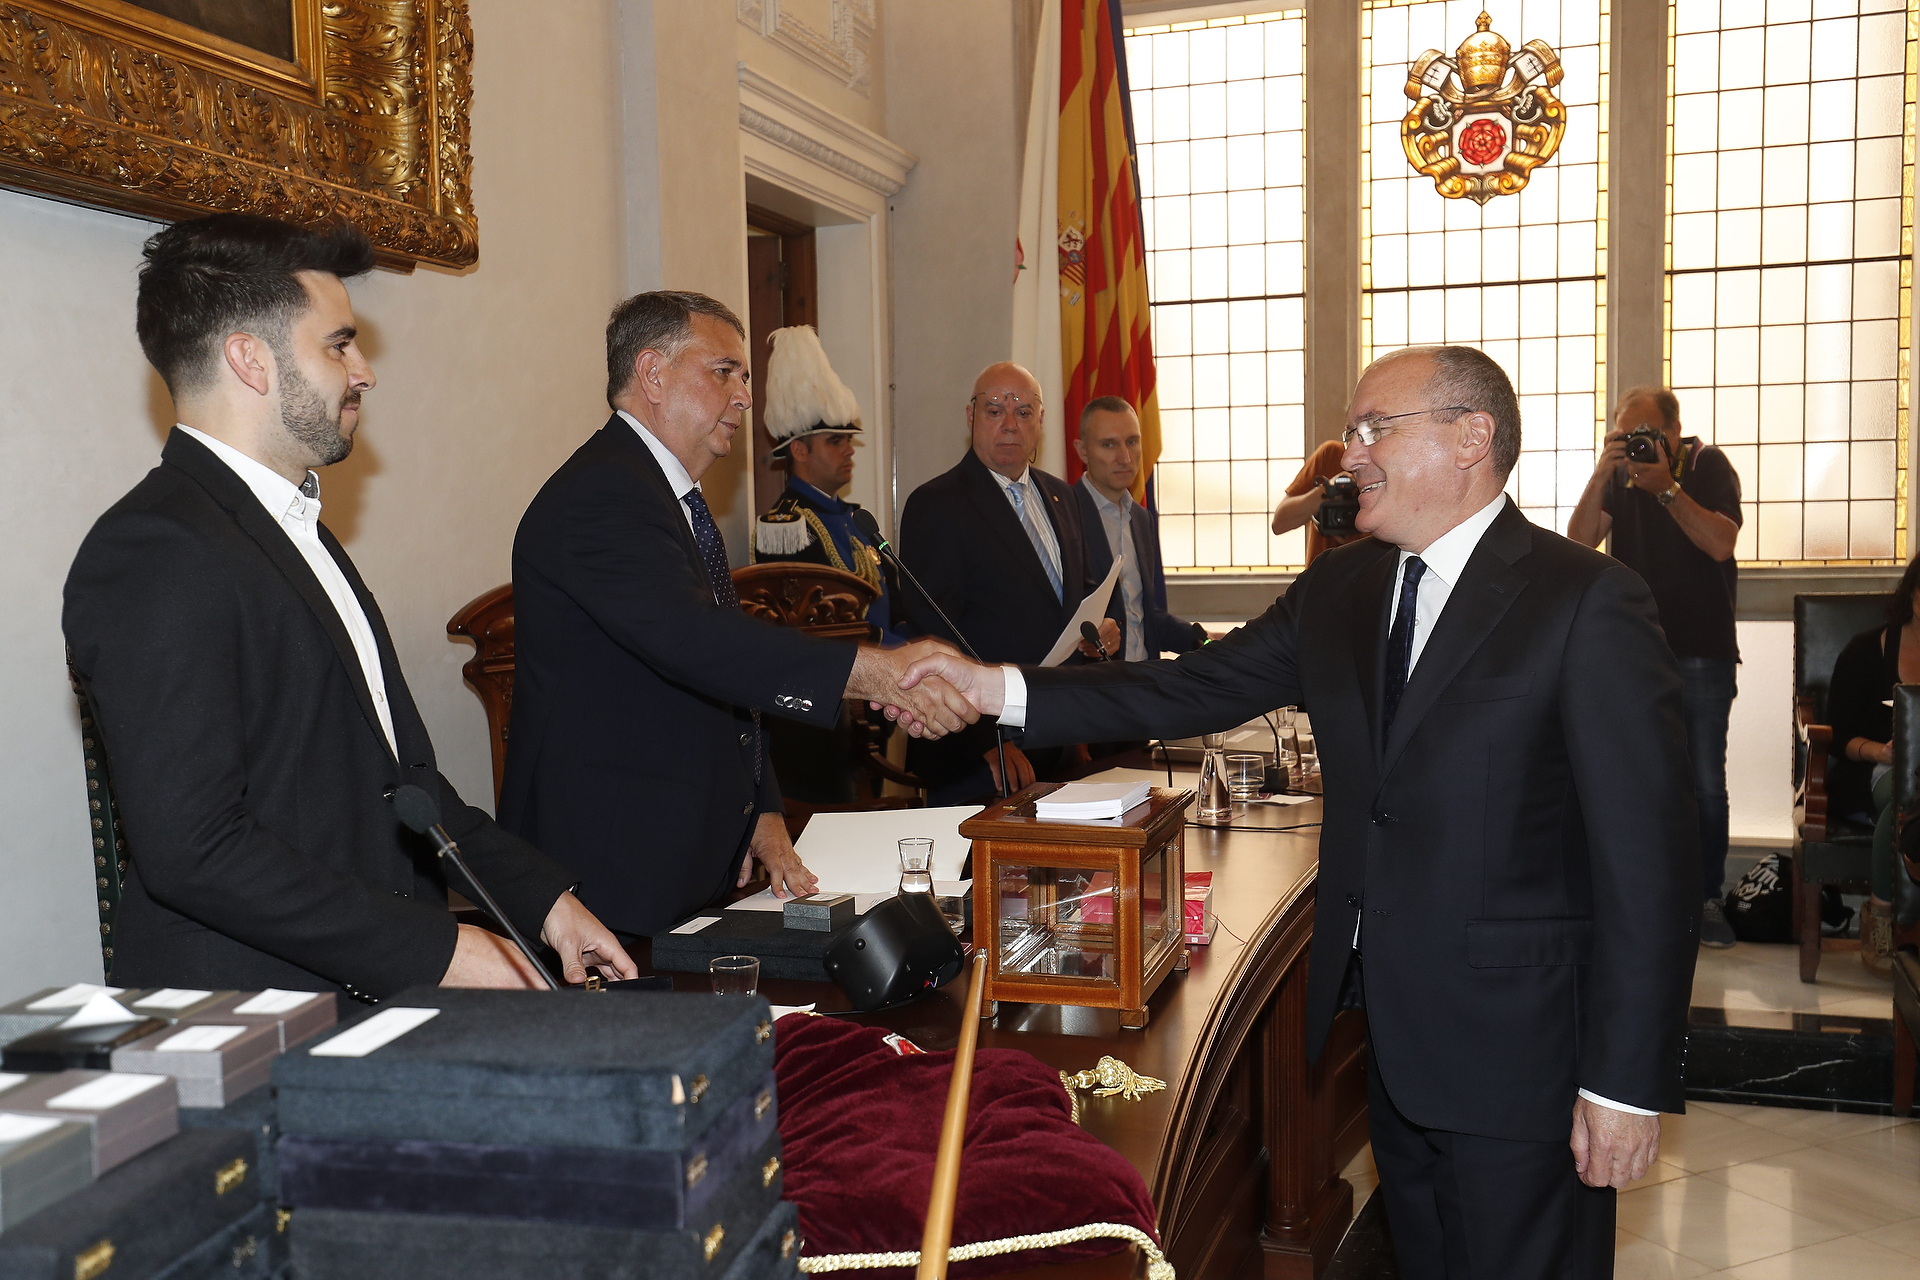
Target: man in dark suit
x,y
636,751
254,718
1509,833
1113,524
998,543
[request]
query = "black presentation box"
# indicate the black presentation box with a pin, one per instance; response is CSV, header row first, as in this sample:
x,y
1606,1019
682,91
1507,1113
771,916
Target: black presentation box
x,y
796,954
75,1048
42,1161
143,1217
254,1248
256,1113
535,1068
633,1187
348,1244
774,1251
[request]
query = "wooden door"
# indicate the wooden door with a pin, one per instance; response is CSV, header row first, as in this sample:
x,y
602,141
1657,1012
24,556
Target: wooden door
x,y
781,278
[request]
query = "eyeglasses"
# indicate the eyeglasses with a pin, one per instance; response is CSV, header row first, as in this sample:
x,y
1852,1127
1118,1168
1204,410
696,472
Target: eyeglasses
x,y
1370,429
996,408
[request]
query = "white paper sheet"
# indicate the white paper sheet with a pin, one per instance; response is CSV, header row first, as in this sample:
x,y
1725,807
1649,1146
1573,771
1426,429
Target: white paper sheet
x,y
382,1028
8,1079
108,1091
199,1039
171,998
782,1010
19,1128
698,923
1091,609
274,1000
98,1012
73,997
859,852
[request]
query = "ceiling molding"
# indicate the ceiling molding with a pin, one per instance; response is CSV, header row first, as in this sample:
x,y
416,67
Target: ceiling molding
x,y
840,51
775,113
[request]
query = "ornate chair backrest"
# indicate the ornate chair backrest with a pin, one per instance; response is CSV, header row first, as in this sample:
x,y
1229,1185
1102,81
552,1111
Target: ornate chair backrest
x,y
813,598
1823,622
487,620
106,842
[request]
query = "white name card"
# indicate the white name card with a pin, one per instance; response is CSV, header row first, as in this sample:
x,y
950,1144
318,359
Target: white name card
x,y
19,1128
171,998
273,1000
382,1028
698,923
107,1091
8,1079
73,997
198,1039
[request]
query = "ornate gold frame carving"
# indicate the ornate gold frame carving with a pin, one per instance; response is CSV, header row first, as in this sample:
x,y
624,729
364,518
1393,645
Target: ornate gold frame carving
x,y
107,104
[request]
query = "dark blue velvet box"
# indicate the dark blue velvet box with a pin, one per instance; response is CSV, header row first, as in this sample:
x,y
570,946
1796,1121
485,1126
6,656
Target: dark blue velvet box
x,y
634,1187
532,1068
256,1114
774,1251
142,1217
347,1244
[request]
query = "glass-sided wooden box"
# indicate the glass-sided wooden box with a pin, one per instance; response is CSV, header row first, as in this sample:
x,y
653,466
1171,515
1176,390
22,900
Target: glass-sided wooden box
x,y
1079,913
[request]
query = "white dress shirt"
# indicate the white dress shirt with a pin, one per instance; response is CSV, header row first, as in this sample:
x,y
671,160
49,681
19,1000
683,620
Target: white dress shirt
x,y
296,509
1117,519
1446,559
677,478
1036,504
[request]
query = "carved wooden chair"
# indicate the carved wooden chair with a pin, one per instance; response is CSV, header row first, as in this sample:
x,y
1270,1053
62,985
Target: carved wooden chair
x,y
487,620
1827,849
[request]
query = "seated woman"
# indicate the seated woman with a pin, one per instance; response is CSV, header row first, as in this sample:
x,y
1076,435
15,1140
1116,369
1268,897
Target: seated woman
x,y
1860,761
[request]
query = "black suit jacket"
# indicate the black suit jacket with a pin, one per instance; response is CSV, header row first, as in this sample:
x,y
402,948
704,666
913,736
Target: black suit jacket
x,y
1166,632
249,763
960,537
632,752
1522,851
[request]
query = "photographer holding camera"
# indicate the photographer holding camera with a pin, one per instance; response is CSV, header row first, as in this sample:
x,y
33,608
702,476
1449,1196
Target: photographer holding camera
x,y
1672,506
1322,497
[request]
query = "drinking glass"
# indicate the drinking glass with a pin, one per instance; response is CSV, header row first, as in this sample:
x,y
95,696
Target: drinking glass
x,y
1215,806
916,865
1246,776
734,975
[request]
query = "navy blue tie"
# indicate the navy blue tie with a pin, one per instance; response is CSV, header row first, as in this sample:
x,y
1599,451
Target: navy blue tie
x,y
713,554
1400,646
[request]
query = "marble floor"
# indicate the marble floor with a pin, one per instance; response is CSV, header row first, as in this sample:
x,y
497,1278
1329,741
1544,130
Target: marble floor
x,y
1766,977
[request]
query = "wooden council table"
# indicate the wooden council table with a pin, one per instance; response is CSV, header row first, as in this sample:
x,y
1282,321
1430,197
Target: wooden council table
x,y
1243,1149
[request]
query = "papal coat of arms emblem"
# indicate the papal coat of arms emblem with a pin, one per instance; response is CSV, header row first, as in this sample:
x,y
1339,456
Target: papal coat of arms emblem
x,y
1484,119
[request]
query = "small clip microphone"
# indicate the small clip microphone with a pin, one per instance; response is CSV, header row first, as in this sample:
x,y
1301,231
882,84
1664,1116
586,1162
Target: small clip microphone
x,y
1091,634
421,815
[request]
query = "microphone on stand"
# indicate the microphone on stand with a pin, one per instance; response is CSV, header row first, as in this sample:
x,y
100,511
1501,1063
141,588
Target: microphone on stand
x,y
1091,634
421,815
869,528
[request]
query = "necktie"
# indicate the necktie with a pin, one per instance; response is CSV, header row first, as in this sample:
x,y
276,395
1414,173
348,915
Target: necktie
x,y
1027,517
713,554
1400,645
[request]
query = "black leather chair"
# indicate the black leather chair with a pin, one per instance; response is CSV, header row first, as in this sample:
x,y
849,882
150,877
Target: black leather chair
x,y
107,844
1827,850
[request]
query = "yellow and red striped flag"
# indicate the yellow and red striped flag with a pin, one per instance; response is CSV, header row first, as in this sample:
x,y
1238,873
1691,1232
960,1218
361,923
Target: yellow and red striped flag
x,y
1105,331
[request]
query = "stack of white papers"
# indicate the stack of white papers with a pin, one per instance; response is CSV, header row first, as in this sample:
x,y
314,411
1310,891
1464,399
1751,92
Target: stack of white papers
x,y
1083,800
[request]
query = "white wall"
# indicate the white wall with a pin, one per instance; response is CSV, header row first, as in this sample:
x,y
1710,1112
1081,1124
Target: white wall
x,y
488,379
1760,736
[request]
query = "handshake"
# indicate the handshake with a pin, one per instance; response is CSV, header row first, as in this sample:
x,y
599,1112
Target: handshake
x,y
930,688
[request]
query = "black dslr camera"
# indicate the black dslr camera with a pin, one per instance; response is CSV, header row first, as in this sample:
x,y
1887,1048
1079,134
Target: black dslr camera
x,y
1339,508
1644,444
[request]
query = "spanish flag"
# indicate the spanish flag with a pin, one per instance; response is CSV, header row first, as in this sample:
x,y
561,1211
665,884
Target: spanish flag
x,y
1106,347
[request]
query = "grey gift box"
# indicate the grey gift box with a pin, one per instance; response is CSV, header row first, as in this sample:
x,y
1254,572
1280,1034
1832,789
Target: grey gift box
x,y
20,1018
39,1169
122,1126
209,1077
820,912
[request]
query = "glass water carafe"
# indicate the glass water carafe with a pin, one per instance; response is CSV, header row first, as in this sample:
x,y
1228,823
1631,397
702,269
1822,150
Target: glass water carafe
x,y
1214,807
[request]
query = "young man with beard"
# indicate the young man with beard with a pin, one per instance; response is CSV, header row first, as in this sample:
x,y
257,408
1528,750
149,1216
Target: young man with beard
x,y
251,710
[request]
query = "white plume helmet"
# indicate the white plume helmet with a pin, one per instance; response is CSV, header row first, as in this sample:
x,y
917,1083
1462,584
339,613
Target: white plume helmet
x,y
804,395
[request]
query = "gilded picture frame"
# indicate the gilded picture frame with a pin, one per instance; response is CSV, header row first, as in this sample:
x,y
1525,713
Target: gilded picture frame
x,y
114,104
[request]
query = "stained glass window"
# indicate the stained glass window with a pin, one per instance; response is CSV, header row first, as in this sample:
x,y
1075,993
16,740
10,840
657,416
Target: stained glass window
x,y
1217,109
1790,281
1522,277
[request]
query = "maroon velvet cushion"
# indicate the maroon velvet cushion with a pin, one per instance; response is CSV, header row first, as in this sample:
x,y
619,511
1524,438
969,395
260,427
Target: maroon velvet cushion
x,y
860,1124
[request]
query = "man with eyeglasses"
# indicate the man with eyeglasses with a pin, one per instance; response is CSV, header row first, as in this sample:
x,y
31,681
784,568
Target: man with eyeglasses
x,y
1509,836
998,543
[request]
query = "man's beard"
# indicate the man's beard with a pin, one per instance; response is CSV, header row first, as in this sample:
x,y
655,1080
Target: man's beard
x,y
310,420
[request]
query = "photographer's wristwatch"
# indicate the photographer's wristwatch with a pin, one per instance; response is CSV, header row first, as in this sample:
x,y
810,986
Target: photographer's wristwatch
x,y
1666,499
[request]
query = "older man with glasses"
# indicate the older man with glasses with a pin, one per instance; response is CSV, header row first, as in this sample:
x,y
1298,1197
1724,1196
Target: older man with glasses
x,y
1509,835
998,543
